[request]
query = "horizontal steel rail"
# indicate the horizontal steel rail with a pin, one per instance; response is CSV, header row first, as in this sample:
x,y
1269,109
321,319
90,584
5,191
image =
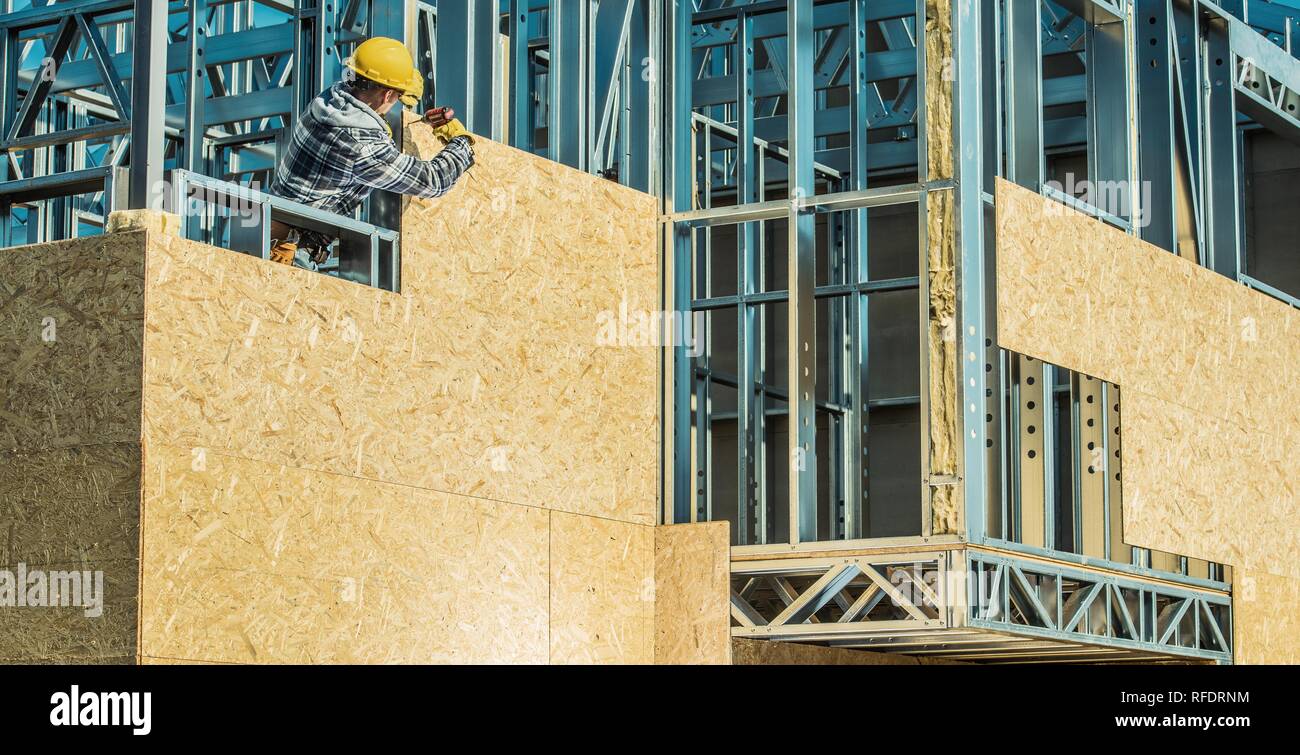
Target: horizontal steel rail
x,y
1264,288
378,265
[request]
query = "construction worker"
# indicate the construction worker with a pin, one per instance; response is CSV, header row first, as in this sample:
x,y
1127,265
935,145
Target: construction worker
x,y
343,149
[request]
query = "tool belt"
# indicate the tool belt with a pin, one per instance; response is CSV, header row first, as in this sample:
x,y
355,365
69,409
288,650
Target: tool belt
x,y
287,240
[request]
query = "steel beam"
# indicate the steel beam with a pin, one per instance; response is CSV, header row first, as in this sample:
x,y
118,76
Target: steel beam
x,y
1109,125
99,53
749,420
1221,150
196,88
520,130
568,131
1155,116
466,61
1024,93
679,197
857,367
148,104
39,91
801,274
972,288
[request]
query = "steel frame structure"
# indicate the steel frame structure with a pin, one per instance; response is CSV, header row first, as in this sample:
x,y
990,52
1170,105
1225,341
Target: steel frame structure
x,y
244,69
1187,82
241,70
781,136
726,111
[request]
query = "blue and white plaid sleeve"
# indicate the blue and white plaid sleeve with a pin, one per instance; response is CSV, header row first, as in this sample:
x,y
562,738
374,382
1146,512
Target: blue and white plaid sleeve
x,y
380,165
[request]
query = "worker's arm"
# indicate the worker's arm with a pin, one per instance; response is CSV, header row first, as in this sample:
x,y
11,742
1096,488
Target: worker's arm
x,y
380,165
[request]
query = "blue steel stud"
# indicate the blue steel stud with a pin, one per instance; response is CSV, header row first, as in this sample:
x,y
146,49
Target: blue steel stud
x,y
801,250
972,286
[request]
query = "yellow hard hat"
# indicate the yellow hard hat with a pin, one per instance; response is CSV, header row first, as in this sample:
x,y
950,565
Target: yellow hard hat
x,y
388,62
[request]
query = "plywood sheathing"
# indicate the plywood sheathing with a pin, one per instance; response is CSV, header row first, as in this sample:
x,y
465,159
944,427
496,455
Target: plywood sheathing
x,y
318,456
71,326
255,562
602,591
946,514
408,445
555,308
693,594
70,505
746,652
500,370
939,67
1210,374
71,322
1266,626
66,634
72,509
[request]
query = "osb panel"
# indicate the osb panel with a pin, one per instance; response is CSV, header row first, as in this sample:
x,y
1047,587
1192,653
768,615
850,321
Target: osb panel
x,y
602,591
72,509
1199,485
692,593
1266,626
500,371
938,88
1209,372
254,562
66,634
1084,295
71,319
746,652
944,392
67,505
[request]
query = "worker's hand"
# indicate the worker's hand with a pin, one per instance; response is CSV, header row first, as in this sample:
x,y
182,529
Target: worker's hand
x,y
452,129
438,116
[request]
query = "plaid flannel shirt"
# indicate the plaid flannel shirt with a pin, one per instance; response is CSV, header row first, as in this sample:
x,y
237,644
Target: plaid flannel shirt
x,y
342,150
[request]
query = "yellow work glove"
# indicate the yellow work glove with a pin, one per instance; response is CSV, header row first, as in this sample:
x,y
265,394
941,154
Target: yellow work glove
x,y
283,252
452,129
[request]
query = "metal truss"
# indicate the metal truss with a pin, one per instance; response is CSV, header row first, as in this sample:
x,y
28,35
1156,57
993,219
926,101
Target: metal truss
x,y
1057,602
974,605
838,599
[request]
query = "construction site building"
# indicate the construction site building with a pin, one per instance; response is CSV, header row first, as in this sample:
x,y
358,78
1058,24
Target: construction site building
x,y
782,331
